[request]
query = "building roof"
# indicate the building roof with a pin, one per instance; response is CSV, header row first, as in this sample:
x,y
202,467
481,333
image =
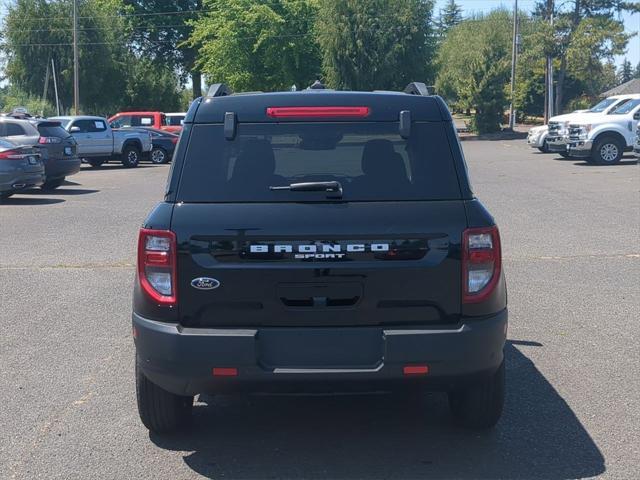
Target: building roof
x,y
632,86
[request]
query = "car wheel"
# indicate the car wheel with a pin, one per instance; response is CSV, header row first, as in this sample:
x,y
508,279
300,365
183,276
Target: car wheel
x,y
607,151
52,184
130,157
159,155
564,154
480,406
95,162
161,411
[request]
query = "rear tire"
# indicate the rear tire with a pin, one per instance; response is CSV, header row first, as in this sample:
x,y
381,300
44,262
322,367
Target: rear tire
x,y
480,406
159,156
161,411
564,154
130,157
52,184
607,151
95,162
545,147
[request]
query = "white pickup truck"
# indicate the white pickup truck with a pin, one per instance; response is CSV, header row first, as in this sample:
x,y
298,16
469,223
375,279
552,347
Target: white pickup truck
x,y
99,143
603,139
558,134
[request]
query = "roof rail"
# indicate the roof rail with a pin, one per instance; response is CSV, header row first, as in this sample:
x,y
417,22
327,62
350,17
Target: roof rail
x,y
219,90
417,88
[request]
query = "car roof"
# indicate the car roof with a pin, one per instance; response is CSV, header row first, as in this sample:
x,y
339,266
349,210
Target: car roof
x,y
176,114
76,117
382,105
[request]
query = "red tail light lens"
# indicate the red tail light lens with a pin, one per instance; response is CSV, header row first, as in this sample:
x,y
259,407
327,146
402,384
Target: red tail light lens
x,y
157,265
11,155
316,112
481,263
48,140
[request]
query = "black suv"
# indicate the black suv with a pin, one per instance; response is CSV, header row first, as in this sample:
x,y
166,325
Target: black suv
x,y
319,240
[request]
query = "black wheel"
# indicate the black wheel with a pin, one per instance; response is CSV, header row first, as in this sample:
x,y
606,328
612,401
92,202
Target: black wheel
x,y
545,147
564,154
95,162
130,157
480,406
4,195
52,184
161,411
159,155
607,151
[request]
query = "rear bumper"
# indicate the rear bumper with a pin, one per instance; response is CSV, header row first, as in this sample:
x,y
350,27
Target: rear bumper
x,y
181,360
61,167
14,183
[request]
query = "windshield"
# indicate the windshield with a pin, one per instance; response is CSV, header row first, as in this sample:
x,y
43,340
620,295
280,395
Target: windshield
x,y
602,106
370,160
63,121
627,107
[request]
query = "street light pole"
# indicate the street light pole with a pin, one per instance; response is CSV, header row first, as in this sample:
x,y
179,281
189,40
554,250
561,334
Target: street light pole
x,y
76,87
514,55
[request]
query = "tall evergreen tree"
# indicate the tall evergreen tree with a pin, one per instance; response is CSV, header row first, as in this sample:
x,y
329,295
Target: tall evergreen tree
x,y
449,17
625,73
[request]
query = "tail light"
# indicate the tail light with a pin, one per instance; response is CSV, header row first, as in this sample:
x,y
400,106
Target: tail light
x,y
11,155
175,139
157,265
316,112
49,140
481,263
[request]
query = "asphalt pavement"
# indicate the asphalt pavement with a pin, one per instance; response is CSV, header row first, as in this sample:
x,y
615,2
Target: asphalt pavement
x,y
571,242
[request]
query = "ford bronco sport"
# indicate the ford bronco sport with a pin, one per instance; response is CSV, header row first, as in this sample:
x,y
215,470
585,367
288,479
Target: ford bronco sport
x,y
319,240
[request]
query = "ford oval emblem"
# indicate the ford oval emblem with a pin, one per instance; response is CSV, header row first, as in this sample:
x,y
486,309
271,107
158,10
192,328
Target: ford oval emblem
x,y
205,283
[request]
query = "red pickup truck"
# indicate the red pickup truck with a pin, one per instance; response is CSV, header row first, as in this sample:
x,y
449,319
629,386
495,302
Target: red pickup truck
x,y
143,119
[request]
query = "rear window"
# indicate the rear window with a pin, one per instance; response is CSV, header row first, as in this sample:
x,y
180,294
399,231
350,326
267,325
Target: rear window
x,y
175,120
371,161
52,131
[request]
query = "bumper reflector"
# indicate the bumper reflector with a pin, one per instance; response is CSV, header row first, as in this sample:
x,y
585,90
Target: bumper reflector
x,y
225,372
415,369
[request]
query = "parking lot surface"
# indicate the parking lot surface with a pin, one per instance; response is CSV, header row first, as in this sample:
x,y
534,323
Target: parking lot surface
x,y
571,245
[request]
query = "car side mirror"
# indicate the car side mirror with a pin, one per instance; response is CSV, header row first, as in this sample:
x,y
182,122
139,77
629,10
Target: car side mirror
x,y
74,130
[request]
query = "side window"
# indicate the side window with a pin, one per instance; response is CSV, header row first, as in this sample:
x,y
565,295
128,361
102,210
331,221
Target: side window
x,y
83,125
14,130
97,126
163,120
3,129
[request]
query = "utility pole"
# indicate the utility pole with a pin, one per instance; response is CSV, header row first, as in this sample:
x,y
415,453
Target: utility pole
x,y
514,55
55,85
76,87
548,82
46,88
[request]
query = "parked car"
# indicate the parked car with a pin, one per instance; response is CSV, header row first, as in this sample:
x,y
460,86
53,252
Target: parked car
x,y
99,143
20,168
319,240
56,146
143,119
175,119
603,139
537,138
558,136
636,144
164,144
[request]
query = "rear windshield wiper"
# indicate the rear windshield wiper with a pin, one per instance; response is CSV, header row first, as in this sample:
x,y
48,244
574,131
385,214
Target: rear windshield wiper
x,y
333,189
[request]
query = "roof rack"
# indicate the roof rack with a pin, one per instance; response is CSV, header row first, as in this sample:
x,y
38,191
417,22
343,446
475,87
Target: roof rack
x,y
219,90
417,88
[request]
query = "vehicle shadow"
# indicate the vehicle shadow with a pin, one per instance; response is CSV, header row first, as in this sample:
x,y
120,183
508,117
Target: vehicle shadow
x,y
26,201
389,436
619,164
119,166
61,191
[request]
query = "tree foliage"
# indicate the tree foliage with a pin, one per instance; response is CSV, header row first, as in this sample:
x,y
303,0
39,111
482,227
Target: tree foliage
x,y
626,72
448,17
258,44
376,44
474,67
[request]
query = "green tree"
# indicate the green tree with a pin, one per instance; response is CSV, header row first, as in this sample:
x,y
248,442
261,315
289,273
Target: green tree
x,y
257,44
162,31
376,44
11,97
626,72
474,67
449,17
150,87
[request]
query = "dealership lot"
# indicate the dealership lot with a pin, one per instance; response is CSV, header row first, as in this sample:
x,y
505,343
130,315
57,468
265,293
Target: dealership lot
x,y
572,257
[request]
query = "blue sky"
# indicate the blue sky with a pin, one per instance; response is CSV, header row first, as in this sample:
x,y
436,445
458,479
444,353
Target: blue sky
x,y
631,22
